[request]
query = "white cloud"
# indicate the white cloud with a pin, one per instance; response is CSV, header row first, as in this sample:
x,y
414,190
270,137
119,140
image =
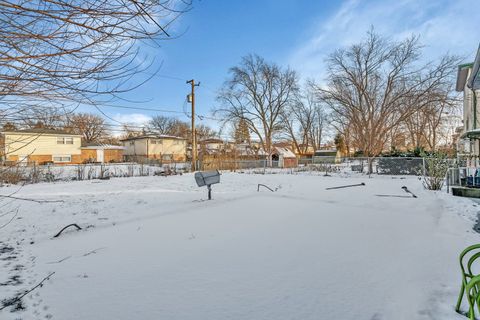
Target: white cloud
x,y
443,26
133,119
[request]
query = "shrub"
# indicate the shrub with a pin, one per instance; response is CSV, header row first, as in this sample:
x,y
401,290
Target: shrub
x,y
12,175
436,166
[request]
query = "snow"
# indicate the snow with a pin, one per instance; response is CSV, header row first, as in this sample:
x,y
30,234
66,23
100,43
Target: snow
x,y
285,152
153,248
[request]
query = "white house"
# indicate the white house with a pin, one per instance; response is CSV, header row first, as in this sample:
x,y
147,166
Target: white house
x,y
468,82
154,146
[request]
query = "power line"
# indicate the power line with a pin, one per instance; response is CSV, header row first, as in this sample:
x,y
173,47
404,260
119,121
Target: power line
x,y
143,108
111,126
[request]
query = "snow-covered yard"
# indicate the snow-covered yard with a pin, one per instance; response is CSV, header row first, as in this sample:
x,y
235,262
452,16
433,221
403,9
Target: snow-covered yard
x,y
150,248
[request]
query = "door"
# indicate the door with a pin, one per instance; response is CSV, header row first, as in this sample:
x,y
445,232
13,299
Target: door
x,y
23,159
100,155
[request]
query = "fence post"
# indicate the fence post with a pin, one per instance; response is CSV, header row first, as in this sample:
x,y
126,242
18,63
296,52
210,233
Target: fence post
x,y
448,180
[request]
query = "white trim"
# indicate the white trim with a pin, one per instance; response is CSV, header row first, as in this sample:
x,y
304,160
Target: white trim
x,y
65,140
63,158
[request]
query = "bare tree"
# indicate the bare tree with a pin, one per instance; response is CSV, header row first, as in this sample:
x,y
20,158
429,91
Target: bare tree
x,y
427,126
169,126
172,126
91,126
305,122
162,124
375,85
61,53
130,131
259,93
416,125
205,132
319,125
44,117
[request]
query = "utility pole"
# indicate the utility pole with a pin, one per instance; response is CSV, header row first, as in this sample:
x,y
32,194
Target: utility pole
x,y
191,99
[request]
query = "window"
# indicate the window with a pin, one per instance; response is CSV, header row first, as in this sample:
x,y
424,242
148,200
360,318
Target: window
x,y
153,141
64,140
62,158
156,141
132,143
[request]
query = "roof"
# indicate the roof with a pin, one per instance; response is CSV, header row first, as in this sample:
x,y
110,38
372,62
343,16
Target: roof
x,y
472,134
102,146
211,140
327,150
474,79
41,131
285,152
153,136
470,79
462,75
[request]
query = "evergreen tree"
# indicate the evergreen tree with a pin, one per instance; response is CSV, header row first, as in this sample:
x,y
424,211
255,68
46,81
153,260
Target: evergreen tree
x,y
340,143
242,133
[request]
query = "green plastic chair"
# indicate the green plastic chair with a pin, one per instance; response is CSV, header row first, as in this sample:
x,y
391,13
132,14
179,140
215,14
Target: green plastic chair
x,y
472,253
473,296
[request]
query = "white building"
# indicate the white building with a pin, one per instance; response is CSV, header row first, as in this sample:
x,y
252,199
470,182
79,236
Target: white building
x,y
468,82
154,146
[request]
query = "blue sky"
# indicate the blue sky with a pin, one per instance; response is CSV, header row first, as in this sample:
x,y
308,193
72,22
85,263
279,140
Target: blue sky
x,y
300,34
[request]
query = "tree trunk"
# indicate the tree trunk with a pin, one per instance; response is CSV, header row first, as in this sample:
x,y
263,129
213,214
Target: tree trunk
x,y
370,164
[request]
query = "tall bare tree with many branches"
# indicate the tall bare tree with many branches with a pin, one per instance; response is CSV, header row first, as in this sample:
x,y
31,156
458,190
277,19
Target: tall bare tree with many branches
x,y
305,121
258,92
377,84
92,127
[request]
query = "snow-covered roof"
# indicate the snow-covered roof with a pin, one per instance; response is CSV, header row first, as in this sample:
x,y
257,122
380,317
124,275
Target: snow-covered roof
x,y
326,150
285,152
41,131
153,136
211,141
104,147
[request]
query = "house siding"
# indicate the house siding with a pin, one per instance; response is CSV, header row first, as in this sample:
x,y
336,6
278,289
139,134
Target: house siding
x,y
39,144
113,155
39,148
144,149
109,155
471,121
136,147
89,155
173,147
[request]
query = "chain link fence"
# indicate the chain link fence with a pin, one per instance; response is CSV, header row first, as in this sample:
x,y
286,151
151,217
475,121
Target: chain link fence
x,y
380,165
50,173
236,164
325,165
